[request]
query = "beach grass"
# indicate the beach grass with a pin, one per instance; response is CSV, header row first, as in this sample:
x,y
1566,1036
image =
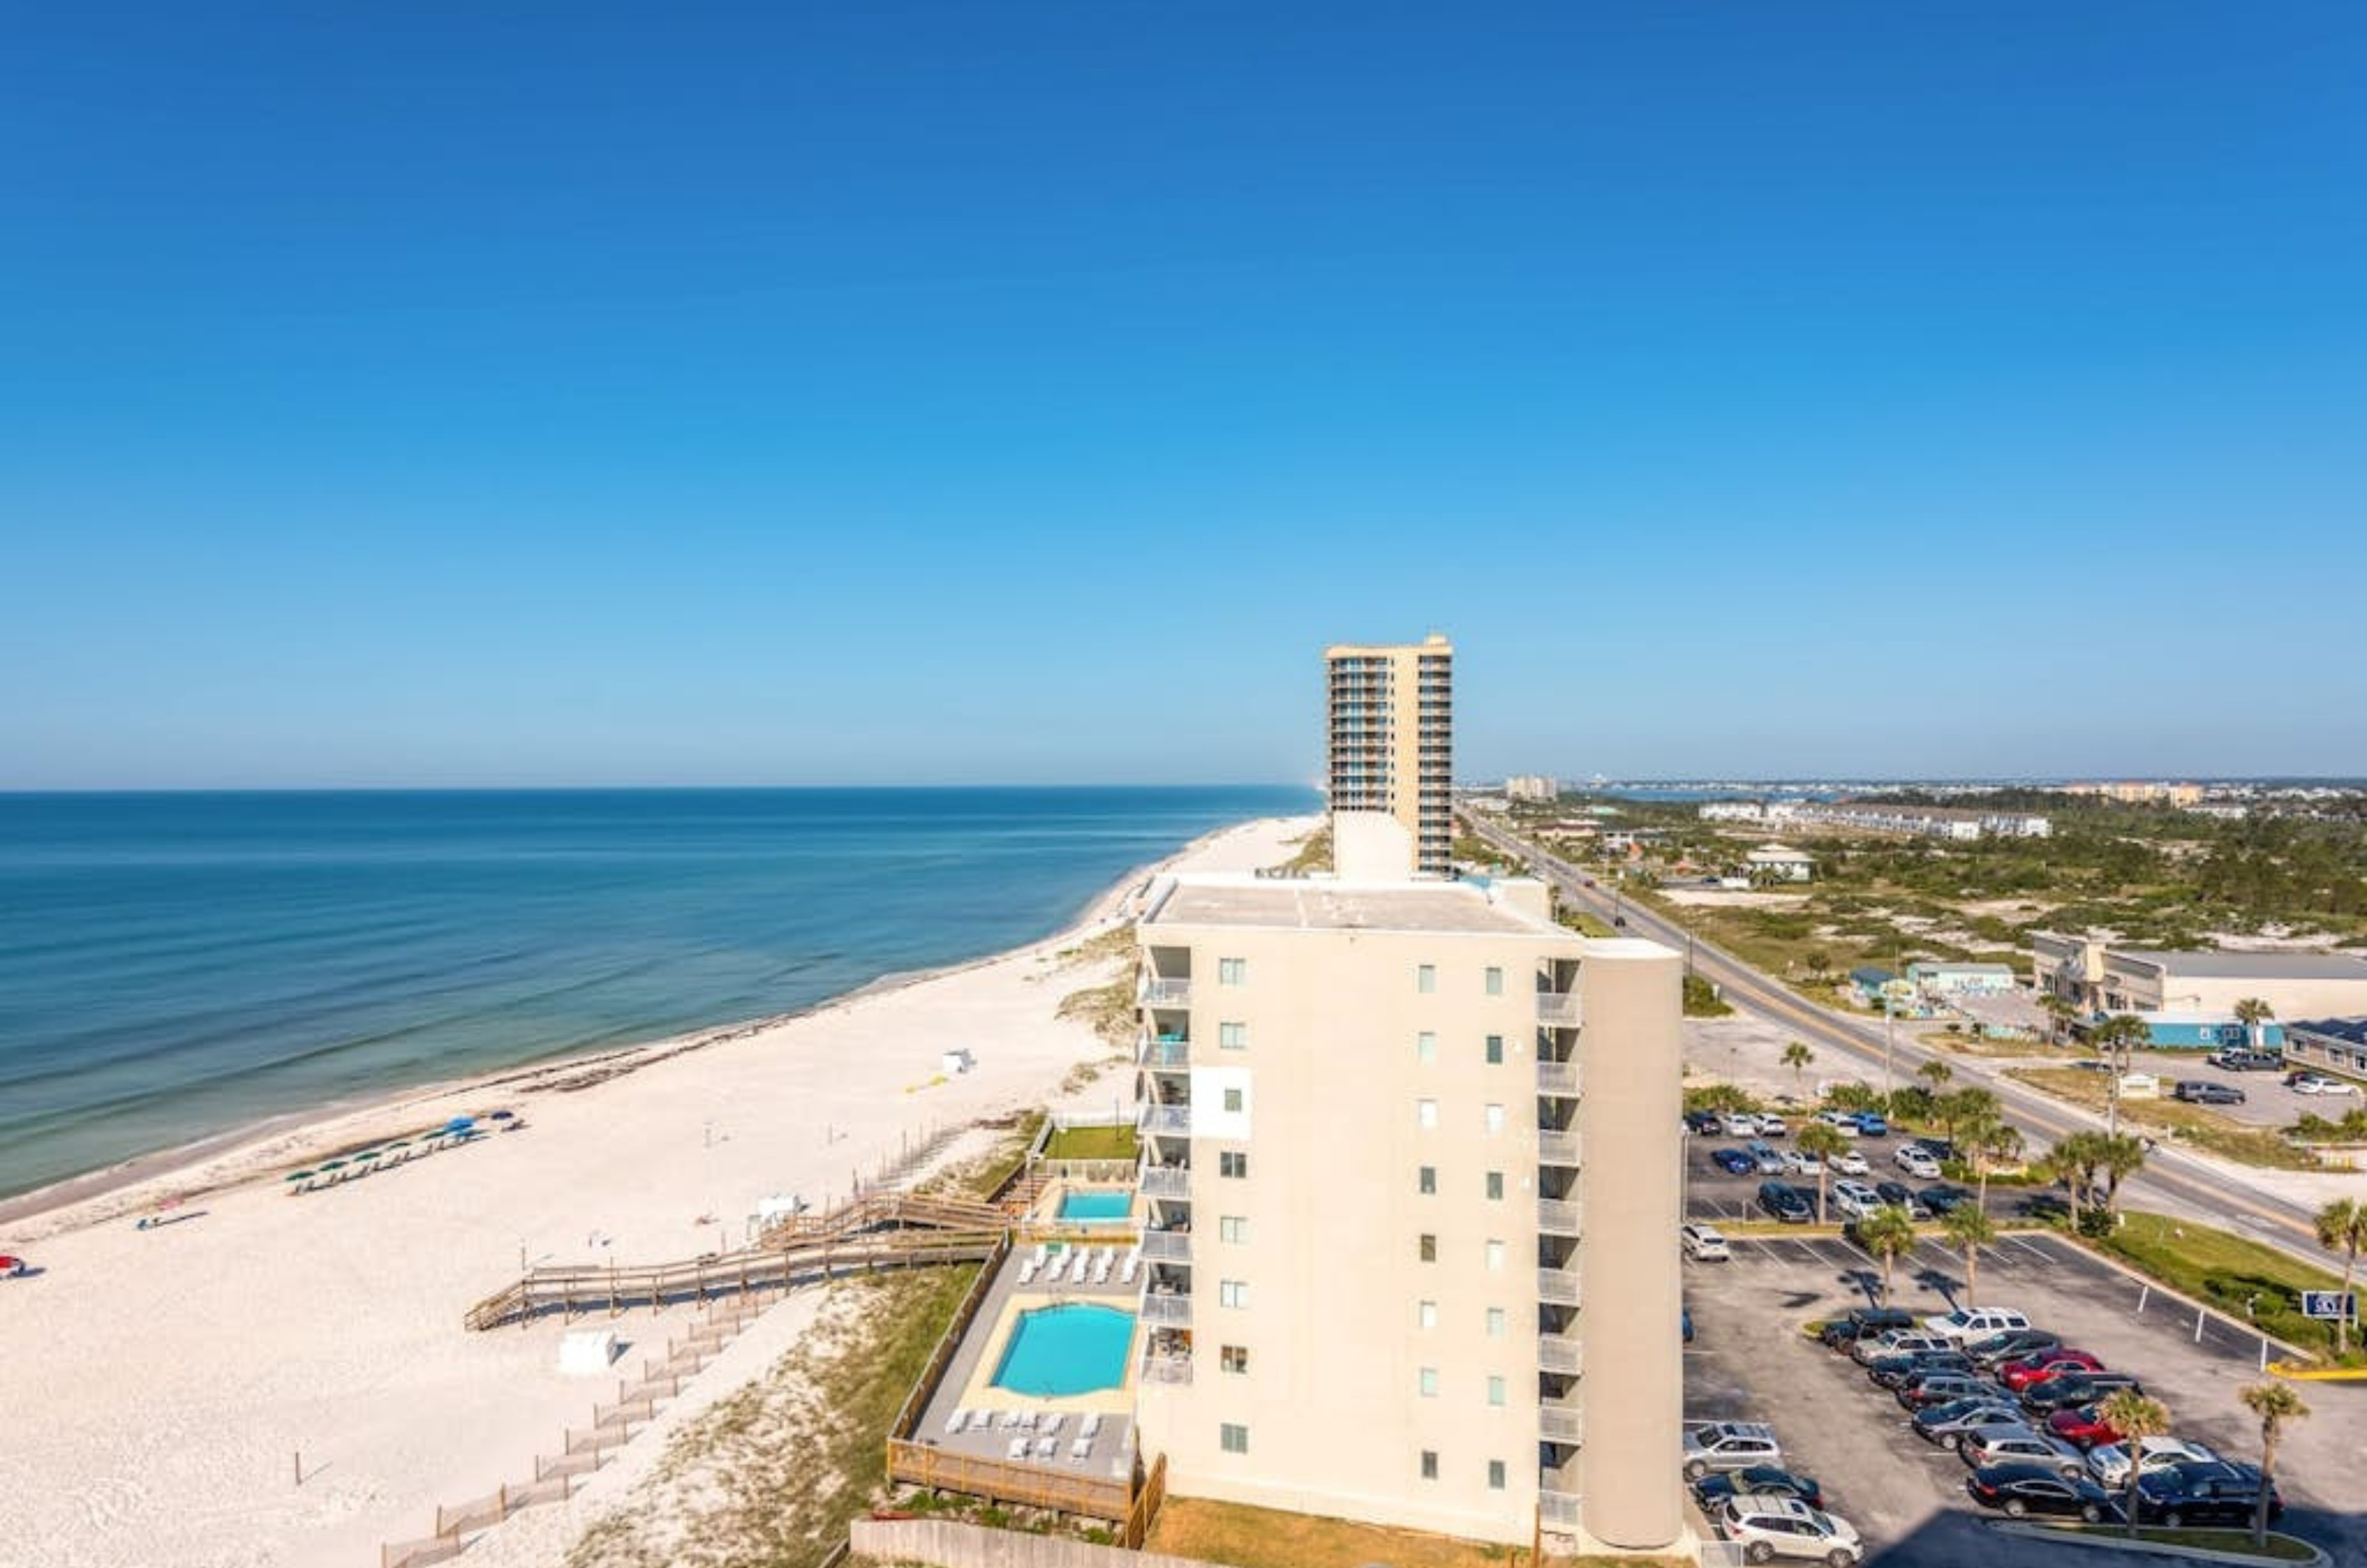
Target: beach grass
x,y
2245,1278
1242,1537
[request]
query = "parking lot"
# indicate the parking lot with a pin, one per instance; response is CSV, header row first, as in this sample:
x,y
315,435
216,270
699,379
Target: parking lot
x,y
1713,1194
1750,1361
2267,1101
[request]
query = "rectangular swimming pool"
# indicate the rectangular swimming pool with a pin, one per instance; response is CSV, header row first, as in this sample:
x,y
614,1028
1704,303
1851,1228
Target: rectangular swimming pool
x,y
1105,1206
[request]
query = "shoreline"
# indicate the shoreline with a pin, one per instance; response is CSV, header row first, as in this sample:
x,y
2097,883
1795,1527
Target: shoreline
x,y
259,1147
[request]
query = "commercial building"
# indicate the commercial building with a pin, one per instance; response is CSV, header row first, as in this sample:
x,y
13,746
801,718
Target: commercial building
x,y
1392,738
1733,811
2330,1044
1378,1198
2096,977
1952,980
1926,821
2140,792
1779,862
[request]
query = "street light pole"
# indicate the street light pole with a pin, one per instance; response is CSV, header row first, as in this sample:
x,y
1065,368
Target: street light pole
x,y
1889,1035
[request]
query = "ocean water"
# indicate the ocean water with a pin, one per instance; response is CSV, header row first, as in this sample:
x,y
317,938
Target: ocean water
x,y
178,965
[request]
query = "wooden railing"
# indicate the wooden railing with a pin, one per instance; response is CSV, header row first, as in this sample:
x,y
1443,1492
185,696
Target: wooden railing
x,y
1007,1481
1144,1510
908,1419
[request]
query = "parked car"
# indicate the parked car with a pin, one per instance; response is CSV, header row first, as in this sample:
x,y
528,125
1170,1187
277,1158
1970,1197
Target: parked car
x,y
2239,1061
1728,1445
1705,1242
2068,1389
1797,1162
1899,1369
2201,1091
2083,1426
1873,1124
2214,1493
1967,1324
1938,1148
1897,1342
1855,1199
1842,1333
1942,1199
2020,1489
2019,1375
1739,1124
1767,1527
2014,1444
1765,1156
1784,1203
1940,1385
1898,1195
1915,1162
1947,1423
1773,1126
2013,1346
1705,1122
2314,1083
2109,1462
1734,1162
1762,1479
1840,1120
1849,1162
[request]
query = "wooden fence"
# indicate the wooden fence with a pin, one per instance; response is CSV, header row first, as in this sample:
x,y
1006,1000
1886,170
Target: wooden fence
x,y
1004,1481
908,1418
1145,1507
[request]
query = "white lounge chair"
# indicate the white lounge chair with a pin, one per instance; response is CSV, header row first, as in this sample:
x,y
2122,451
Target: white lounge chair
x,y
1133,1263
1092,1426
1079,1449
1102,1267
1011,1420
1018,1448
1058,1267
1042,1251
1049,1424
1026,1273
957,1423
1046,1446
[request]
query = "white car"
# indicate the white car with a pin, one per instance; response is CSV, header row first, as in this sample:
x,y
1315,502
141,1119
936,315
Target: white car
x,y
1773,1126
1739,1124
1728,1445
1977,1323
1766,1525
1703,1242
2308,1083
1916,1162
1797,1162
1855,1199
1849,1162
2109,1462
1840,1120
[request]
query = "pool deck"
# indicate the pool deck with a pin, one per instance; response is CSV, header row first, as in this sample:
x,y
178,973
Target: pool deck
x,y
965,1383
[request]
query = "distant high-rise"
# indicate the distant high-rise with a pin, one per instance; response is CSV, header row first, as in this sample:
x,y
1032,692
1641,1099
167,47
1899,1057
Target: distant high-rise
x,y
1392,737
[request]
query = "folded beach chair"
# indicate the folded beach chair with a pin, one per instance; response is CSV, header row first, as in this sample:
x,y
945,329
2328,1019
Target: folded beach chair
x,y
1079,1450
1049,1426
1102,1267
1042,1252
1133,1262
1011,1420
1018,1448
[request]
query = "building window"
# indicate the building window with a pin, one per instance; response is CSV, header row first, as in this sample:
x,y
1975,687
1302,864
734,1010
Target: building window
x,y
1232,1292
1428,1250
1496,1185
1233,1037
1496,1391
1235,1439
1428,1383
1495,1117
1495,1258
1425,978
1429,1464
1232,1227
1425,1046
1234,1359
1232,971
1233,1162
1234,1100
1495,1323
1495,1475
1426,1181
1425,1114
1426,1313
1495,1049
1495,981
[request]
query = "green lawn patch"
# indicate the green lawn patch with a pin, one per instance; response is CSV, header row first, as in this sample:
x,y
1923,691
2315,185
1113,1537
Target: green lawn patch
x,y
1093,1143
2194,1124
2247,1280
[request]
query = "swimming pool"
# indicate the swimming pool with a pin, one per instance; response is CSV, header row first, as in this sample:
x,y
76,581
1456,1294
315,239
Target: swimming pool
x,y
1074,1348
1102,1205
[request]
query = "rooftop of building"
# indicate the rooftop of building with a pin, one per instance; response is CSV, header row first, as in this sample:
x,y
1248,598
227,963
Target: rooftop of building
x,y
2351,1030
2219,966
1475,908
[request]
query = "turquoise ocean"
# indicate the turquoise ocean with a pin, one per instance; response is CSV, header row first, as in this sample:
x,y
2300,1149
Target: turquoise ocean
x,y
175,966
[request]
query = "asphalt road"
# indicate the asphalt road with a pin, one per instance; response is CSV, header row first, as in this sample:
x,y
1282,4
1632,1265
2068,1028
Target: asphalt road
x,y
2170,1182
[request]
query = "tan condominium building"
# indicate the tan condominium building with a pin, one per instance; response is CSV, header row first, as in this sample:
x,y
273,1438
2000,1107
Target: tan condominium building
x,y
1411,1173
1392,738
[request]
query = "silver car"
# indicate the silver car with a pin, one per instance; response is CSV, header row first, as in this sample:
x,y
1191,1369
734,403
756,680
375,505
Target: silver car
x,y
2017,1444
1728,1445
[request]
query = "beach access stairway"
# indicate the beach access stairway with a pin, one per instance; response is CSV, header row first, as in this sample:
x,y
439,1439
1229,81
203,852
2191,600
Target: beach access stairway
x,y
882,1229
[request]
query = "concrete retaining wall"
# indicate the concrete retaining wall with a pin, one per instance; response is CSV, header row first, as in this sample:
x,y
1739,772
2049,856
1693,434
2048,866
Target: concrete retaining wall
x,y
942,1543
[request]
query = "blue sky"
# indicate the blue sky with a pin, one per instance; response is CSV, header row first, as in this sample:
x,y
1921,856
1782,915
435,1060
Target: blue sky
x,y
939,393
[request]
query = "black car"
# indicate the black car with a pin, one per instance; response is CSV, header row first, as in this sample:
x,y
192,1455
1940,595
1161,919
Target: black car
x,y
2201,1091
1943,1197
1712,1490
1940,1149
1926,1389
2012,1346
2066,1390
1862,1323
1899,1371
1734,1162
2203,1493
1784,1203
1898,1195
2018,1489
1705,1122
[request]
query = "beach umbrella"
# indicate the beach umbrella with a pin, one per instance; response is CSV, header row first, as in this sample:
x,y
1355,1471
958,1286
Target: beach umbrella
x,y
328,1165
502,1116
459,1123
298,1176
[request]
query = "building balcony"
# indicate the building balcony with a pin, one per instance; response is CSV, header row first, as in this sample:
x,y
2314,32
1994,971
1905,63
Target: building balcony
x,y
1171,1309
1560,1355
1557,1216
1557,1079
1173,1367
1174,1120
1558,1009
1162,1051
1561,1424
1557,1508
1165,991
1168,1181
1558,1287
1167,1247
1557,1149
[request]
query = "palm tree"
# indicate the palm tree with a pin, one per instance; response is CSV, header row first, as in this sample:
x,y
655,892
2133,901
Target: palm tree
x,y
2135,1416
2275,1404
2116,1038
1967,1108
1887,1232
2252,1013
1823,1140
2073,1161
1936,1073
1797,1056
1969,1229
1996,1146
2119,1157
2343,1224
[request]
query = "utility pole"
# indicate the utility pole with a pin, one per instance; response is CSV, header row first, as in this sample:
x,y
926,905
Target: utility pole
x,y
1889,1036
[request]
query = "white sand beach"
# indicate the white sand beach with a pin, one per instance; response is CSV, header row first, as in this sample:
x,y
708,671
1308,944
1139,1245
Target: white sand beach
x,y
159,1384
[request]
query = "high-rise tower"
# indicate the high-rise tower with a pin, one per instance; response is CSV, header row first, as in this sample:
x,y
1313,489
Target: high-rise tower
x,y
1392,738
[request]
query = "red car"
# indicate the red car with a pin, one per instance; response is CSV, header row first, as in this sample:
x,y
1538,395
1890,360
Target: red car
x,y
2085,1428
2020,1375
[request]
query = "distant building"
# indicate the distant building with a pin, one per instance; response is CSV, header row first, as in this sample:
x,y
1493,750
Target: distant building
x,y
2096,977
1927,821
1392,738
1952,980
2333,1044
1732,811
1532,786
2140,792
1778,862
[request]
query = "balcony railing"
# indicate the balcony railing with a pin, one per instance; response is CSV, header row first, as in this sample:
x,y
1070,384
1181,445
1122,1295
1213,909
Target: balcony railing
x,y
1166,991
1558,1287
1158,1051
1165,1181
1557,1216
1172,1311
1558,1009
1167,1247
1175,1120
1166,1369
1560,1424
1558,1077
1558,1149
1556,1507
1559,1355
